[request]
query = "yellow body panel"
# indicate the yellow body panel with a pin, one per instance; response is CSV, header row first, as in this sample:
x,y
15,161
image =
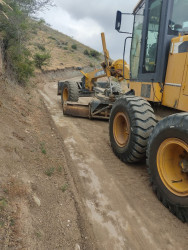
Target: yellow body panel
x,y
171,96
175,93
150,91
175,69
185,78
117,67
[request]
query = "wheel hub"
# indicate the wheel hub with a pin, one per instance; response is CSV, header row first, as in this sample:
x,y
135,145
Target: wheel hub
x,y
121,129
172,164
184,165
65,94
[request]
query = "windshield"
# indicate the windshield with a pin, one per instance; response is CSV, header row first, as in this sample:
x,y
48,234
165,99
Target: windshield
x,y
179,20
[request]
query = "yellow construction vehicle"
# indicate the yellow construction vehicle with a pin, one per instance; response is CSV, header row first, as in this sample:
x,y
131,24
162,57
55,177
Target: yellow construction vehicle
x,y
71,91
106,92
158,77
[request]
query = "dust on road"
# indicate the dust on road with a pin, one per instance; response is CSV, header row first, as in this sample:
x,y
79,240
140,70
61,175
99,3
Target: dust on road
x,y
121,207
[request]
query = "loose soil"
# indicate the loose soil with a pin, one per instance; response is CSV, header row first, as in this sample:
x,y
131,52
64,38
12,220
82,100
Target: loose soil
x,y
39,203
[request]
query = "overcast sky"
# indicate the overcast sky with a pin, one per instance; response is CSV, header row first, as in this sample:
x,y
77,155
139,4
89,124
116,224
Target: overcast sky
x,y
84,20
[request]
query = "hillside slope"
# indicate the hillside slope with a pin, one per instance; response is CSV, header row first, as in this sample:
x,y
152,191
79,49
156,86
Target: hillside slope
x,y
39,204
65,51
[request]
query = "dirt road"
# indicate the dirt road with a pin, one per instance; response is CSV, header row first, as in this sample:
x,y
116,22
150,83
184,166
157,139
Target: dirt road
x,y
121,207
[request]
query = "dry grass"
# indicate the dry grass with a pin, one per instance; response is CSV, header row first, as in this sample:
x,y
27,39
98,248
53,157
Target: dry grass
x,y
15,188
61,49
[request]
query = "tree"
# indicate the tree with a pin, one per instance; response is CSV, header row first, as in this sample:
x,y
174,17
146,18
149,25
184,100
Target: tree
x,y
16,26
30,6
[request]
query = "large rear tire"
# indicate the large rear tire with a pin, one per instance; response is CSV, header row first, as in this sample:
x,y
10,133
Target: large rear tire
x,y
70,92
167,159
132,120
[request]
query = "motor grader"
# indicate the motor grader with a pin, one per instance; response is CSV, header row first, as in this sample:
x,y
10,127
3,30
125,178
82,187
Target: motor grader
x,y
105,92
158,77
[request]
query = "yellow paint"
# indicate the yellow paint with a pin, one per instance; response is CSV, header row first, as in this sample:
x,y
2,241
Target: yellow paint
x,y
117,68
91,77
171,157
155,95
106,55
177,74
175,69
121,129
185,79
65,94
171,96
108,69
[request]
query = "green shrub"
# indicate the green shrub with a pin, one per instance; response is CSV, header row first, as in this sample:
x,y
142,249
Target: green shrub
x,y
50,171
41,60
74,46
94,54
65,48
16,30
86,52
41,47
21,63
52,38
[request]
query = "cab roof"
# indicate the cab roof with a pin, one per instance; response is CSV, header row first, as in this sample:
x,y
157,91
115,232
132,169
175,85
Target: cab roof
x,y
138,4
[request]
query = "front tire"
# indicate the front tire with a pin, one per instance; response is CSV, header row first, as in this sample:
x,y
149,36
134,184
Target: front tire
x,y
70,92
131,122
167,159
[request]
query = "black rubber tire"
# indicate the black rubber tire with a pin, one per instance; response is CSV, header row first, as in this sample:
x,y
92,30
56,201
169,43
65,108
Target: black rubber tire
x,y
174,126
73,91
141,120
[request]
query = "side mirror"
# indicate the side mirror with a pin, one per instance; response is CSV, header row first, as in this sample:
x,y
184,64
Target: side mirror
x,y
118,20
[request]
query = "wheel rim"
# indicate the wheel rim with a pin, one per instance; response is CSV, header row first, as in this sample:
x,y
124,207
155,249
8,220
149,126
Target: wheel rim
x,y
172,164
65,94
121,129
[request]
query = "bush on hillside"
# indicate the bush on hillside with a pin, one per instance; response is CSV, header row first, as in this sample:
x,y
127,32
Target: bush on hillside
x,y
41,60
86,52
41,47
94,54
21,63
74,46
16,27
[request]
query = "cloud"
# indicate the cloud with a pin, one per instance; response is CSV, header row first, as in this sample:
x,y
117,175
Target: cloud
x,y
85,20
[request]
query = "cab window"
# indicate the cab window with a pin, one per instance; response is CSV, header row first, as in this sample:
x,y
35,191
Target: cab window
x,y
136,41
179,20
152,36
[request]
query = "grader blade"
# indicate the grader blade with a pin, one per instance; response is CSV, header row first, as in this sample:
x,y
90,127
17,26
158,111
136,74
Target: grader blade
x,y
93,110
76,109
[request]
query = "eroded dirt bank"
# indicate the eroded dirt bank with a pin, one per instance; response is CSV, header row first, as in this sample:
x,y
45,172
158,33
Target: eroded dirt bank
x,y
39,204
122,209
